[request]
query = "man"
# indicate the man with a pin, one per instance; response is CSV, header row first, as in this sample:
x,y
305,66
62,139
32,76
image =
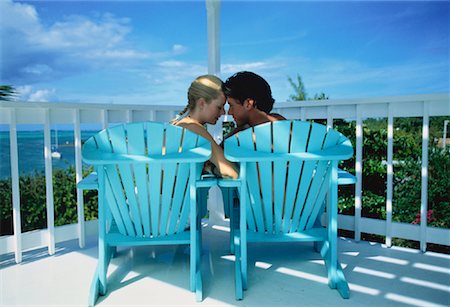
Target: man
x,y
250,99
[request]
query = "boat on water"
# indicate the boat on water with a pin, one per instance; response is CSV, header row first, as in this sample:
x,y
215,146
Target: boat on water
x,y
55,153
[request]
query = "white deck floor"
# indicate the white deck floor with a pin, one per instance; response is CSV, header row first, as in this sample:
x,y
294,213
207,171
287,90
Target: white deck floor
x,y
279,275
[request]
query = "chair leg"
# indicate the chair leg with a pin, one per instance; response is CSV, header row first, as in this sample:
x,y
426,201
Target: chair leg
x,y
234,221
336,277
103,255
239,294
193,260
94,289
198,271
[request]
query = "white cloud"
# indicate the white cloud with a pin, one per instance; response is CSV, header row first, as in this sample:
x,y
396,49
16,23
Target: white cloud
x,y
42,95
178,49
232,68
74,44
27,93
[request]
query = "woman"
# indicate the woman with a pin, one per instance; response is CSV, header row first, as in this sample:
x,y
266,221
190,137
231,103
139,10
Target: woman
x,y
206,101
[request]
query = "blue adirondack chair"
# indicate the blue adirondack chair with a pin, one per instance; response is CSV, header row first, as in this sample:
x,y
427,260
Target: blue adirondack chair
x,y
147,183
287,169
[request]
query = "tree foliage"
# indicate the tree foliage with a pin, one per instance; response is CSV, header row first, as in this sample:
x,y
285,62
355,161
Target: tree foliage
x,y
300,93
407,167
33,201
7,92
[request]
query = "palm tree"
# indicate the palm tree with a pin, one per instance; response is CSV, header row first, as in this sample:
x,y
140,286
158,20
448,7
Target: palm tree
x,y
7,92
300,91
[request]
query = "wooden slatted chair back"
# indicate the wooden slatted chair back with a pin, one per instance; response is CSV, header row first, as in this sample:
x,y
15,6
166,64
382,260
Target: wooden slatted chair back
x,y
147,197
286,194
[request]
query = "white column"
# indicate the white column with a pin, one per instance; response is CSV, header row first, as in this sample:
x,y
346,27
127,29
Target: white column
x,y
390,174
215,203
15,185
78,178
213,24
49,184
424,194
358,171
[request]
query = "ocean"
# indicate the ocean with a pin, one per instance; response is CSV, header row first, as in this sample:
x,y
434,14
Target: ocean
x,y
31,151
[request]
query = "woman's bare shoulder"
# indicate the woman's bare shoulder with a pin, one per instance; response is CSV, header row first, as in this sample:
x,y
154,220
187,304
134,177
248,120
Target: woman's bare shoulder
x,y
194,127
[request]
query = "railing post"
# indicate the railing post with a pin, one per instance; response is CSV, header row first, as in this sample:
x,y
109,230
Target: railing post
x,y
424,193
105,119
329,118
302,114
15,185
390,174
152,115
358,171
129,116
78,178
49,184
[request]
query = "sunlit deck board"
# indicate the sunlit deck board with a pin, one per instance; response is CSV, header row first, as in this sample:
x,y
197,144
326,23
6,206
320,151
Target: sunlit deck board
x,y
278,276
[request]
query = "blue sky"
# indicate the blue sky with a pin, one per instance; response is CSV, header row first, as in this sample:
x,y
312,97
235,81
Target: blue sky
x,y
149,51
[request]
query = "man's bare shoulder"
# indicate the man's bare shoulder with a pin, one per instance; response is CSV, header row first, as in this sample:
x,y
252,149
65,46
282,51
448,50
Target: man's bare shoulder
x,y
275,117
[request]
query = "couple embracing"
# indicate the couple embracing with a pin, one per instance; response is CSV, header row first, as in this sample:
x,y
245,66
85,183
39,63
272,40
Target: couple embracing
x,y
250,101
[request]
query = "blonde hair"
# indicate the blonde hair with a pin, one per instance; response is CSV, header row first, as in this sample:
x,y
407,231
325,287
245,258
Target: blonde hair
x,y
208,87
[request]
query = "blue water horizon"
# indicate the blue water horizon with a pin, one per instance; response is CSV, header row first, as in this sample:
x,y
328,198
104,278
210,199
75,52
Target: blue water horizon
x,y
31,150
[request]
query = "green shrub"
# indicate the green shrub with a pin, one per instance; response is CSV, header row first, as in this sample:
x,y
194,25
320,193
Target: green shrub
x,y
33,201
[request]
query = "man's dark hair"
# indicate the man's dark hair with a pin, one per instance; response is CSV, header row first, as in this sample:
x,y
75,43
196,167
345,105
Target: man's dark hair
x,y
246,84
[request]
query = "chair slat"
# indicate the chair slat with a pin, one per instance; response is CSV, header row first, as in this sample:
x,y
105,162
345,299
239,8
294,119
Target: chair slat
x,y
316,138
136,146
128,182
311,200
264,143
114,206
118,190
185,210
298,143
136,138
118,139
166,196
155,138
282,131
140,172
251,220
181,186
172,143
154,173
300,134
279,192
102,141
254,206
173,138
304,184
292,186
320,200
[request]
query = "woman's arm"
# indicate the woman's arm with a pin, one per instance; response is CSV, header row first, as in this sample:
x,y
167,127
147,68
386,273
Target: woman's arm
x,y
225,167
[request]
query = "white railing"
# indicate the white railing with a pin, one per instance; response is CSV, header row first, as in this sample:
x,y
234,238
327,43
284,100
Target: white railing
x,y
15,113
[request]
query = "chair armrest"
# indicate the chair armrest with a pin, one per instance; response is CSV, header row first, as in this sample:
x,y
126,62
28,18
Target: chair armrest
x,y
338,152
96,157
89,182
345,177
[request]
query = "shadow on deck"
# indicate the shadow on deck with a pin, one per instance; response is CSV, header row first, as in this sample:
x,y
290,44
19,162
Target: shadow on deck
x,y
279,275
